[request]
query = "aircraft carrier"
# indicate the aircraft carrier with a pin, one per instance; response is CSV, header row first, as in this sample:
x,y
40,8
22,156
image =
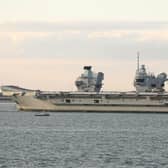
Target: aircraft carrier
x,y
149,95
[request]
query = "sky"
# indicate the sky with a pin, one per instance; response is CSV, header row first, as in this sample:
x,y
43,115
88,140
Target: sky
x,y
44,44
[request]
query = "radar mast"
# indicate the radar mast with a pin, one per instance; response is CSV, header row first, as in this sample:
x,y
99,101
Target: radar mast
x,y
138,61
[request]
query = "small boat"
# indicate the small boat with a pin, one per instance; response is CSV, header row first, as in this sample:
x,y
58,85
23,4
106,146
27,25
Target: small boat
x,y
42,114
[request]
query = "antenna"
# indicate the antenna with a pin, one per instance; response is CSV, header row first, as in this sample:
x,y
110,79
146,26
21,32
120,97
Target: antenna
x,y
138,60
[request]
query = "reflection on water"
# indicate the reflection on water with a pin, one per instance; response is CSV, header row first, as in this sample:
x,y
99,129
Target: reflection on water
x,y
83,140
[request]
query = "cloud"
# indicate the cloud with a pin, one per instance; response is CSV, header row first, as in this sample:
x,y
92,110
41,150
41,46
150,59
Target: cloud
x,y
160,35
50,56
138,35
74,25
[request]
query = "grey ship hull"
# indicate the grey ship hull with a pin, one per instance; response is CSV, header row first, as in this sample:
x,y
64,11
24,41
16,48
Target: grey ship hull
x,y
92,102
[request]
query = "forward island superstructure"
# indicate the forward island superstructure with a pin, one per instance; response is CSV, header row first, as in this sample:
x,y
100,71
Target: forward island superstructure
x,y
150,95
89,81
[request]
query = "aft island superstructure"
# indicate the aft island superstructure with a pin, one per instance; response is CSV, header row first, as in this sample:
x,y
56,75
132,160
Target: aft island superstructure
x,y
150,95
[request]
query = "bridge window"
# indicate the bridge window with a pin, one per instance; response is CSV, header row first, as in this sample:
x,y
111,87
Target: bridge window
x,y
67,100
139,80
96,101
153,85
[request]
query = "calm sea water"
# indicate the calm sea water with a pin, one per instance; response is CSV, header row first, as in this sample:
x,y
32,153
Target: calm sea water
x,y
82,140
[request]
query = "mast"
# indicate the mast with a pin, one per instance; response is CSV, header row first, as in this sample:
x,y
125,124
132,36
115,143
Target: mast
x,y
138,61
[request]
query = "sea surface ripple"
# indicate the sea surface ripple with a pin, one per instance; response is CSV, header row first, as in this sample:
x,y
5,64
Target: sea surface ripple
x,y
83,140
